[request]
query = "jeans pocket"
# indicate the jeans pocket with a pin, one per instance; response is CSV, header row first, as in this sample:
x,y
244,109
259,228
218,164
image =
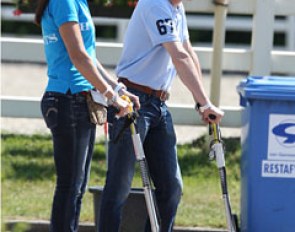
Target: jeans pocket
x,y
49,109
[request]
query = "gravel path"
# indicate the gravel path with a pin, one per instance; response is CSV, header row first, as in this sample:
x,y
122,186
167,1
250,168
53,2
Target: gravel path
x,y
19,79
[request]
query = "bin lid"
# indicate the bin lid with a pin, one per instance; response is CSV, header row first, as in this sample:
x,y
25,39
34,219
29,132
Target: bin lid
x,y
267,87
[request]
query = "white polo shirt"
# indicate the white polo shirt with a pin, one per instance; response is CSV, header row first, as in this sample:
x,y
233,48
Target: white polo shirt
x,y
144,60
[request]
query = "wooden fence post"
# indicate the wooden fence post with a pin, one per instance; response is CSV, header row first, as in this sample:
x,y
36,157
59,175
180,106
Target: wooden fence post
x,y
262,37
218,45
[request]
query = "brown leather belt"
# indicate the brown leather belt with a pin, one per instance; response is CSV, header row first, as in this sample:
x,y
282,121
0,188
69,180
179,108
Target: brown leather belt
x,y
162,95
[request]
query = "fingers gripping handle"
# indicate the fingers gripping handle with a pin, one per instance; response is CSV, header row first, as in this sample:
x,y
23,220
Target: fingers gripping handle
x,y
211,116
127,99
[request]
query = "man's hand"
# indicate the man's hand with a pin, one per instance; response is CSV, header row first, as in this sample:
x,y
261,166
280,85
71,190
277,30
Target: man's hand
x,y
125,105
122,105
210,113
132,98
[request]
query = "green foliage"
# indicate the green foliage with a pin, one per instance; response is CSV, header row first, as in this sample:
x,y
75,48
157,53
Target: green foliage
x,y
113,2
20,28
31,157
28,173
27,157
19,227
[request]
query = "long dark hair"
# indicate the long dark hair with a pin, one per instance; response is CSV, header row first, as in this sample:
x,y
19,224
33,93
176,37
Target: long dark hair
x,y
39,10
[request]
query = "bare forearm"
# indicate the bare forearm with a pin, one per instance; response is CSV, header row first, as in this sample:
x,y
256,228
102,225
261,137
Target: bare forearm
x,y
187,71
191,79
88,69
103,72
190,50
71,35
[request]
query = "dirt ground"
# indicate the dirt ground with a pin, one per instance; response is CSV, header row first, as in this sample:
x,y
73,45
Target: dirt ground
x,y
22,79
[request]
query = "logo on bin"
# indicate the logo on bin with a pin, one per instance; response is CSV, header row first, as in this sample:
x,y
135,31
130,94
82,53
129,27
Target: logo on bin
x,y
285,133
281,137
280,162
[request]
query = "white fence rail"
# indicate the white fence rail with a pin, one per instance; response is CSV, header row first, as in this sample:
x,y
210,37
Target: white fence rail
x,y
204,22
260,59
29,107
31,50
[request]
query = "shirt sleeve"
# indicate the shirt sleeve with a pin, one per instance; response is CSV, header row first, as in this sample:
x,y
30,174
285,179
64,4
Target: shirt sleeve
x,y
64,11
185,27
160,26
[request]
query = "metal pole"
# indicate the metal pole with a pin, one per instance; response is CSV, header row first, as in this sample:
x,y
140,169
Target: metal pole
x,y
106,141
218,44
217,153
149,198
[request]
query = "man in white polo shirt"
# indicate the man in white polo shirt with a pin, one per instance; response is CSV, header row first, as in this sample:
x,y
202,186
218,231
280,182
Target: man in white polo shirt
x,y
156,48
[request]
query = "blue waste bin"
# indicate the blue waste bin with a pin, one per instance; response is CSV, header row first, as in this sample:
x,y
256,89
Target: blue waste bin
x,y
268,154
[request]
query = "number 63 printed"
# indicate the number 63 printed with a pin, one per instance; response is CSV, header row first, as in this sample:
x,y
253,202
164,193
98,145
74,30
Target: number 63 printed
x,y
164,26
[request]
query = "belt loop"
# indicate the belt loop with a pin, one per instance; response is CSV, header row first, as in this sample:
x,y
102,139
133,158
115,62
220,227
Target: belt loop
x,y
164,96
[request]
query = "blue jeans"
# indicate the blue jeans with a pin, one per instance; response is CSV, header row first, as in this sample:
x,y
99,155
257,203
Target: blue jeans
x,y
157,134
67,116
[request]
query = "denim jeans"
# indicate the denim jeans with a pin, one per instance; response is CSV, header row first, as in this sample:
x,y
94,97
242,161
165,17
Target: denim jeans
x,y
66,115
155,127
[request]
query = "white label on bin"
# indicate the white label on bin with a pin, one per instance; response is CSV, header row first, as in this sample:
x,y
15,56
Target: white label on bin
x,y
281,137
272,168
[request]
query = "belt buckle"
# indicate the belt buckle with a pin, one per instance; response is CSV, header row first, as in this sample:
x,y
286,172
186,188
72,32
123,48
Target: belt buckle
x,y
164,96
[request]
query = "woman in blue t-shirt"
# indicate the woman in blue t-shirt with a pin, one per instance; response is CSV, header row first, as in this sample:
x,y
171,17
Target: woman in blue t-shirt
x,y
73,70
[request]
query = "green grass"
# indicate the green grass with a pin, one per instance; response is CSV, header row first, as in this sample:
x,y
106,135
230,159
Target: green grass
x,y
28,178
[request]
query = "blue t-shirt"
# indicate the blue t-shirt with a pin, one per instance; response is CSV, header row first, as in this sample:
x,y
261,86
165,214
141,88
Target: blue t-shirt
x,y
144,60
62,74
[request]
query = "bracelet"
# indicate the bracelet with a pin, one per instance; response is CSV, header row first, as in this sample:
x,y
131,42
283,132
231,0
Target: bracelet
x,y
108,89
119,87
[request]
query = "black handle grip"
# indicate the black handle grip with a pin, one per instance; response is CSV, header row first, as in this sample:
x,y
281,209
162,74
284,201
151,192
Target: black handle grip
x,y
212,116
